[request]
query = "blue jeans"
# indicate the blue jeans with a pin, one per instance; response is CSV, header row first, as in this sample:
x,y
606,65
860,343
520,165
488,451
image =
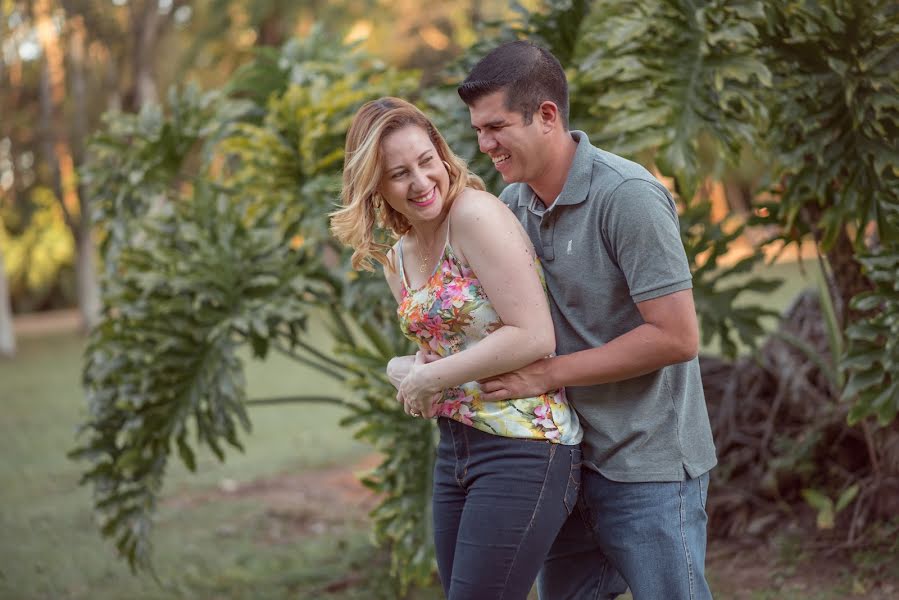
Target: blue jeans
x,y
649,536
498,504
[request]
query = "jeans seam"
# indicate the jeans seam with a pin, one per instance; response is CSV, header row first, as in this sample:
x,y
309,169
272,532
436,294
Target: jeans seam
x,y
571,481
683,531
456,454
527,531
582,506
602,577
467,455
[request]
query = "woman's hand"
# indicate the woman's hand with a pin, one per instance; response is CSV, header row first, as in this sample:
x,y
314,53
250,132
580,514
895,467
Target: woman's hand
x,y
417,391
398,368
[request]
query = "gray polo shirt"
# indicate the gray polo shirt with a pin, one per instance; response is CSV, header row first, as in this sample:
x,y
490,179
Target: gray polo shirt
x,y
609,241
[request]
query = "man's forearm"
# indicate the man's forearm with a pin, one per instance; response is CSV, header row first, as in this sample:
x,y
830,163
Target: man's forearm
x,y
642,350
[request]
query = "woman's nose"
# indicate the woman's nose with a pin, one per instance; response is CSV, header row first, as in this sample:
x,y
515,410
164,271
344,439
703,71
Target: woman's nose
x,y
420,181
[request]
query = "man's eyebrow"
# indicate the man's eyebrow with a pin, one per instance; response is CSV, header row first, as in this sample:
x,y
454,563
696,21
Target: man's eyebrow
x,y
494,123
420,156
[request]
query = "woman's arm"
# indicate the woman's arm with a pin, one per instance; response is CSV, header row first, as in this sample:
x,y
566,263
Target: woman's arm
x,y
490,239
398,367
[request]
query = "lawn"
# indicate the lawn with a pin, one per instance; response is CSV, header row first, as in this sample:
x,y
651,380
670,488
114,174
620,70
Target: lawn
x,y
282,520
50,547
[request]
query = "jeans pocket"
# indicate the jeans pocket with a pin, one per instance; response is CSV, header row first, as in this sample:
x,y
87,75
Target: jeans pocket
x,y
574,480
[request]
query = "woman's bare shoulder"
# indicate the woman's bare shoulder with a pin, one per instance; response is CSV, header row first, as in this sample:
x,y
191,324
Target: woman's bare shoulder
x,y
474,206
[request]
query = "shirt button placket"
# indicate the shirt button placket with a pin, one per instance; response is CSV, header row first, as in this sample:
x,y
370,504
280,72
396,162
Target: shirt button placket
x,y
546,237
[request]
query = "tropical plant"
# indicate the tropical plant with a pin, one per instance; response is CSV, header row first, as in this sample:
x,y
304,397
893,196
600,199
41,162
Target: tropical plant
x,y
873,357
216,240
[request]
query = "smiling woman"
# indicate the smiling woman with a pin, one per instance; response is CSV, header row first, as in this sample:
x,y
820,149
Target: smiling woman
x,y
468,286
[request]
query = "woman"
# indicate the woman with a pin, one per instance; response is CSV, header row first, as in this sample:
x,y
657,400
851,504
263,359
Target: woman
x,y
467,284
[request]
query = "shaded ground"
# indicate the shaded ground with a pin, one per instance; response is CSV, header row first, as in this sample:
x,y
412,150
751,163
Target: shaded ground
x,y
323,502
47,323
309,503
274,523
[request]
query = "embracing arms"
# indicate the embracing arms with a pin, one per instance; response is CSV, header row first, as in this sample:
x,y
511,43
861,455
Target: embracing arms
x,y
669,335
486,236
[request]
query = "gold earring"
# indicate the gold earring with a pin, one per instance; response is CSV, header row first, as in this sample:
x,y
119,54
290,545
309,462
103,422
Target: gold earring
x,y
376,200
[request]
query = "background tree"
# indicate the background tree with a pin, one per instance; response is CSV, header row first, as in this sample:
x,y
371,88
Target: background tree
x,y
7,335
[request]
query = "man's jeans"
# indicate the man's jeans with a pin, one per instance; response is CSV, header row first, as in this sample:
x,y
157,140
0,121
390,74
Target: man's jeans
x,y
648,536
498,504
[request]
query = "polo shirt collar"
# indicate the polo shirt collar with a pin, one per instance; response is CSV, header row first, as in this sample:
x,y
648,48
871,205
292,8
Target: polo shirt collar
x,y
577,184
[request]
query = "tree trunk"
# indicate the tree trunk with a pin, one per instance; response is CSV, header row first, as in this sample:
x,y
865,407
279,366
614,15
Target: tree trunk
x,y
57,150
848,278
271,29
85,267
145,28
87,280
7,335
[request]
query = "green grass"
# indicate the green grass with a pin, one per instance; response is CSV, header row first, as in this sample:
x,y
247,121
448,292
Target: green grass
x,y
50,546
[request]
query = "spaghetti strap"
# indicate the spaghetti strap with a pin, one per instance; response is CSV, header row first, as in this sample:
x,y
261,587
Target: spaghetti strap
x,y
402,268
448,248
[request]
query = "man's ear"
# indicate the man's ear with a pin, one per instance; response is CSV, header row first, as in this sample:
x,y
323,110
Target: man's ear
x,y
550,117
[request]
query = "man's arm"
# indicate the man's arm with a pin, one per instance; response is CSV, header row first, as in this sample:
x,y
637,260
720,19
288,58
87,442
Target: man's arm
x,y
669,335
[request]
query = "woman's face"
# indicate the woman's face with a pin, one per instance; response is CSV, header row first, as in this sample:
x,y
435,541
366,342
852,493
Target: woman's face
x,y
414,181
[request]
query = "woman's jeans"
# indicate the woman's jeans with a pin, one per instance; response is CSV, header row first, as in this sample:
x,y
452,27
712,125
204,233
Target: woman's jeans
x,y
498,504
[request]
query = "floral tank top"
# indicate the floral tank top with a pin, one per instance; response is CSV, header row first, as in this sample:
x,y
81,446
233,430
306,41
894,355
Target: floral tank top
x,y
450,313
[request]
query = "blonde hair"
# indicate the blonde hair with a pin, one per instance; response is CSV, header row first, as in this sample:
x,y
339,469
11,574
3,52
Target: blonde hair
x,y
363,166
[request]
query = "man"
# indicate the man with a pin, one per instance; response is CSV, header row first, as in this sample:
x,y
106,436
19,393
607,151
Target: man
x,y
620,293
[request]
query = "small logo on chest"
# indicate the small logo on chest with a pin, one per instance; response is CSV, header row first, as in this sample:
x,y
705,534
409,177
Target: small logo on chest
x,y
568,248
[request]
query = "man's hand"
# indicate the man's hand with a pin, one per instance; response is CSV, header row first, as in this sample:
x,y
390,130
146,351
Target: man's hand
x,y
526,382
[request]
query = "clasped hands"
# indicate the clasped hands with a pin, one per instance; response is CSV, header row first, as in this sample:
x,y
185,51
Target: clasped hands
x,y
419,393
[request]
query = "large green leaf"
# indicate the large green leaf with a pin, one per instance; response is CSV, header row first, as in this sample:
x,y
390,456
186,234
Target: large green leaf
x,y
664,74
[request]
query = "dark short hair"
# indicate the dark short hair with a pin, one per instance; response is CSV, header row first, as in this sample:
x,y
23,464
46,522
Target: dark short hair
x,y
528,73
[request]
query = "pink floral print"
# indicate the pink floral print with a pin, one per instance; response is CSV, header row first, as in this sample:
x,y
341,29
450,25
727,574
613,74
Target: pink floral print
x,y
452,312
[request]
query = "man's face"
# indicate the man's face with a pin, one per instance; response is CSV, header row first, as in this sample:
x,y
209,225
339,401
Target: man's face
x,y
517,148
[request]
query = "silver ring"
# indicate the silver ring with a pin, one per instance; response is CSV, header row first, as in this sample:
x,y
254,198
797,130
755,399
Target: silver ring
x,y
415,414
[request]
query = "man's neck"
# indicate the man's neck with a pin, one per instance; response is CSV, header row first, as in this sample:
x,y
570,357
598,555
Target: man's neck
x,y
552,179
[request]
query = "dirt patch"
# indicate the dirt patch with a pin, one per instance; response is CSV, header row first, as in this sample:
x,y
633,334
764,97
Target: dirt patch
x,y
323,501
47,323
755,569
293,505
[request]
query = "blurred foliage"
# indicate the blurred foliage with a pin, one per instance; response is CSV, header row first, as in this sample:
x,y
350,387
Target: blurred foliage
x,y
872,361
39,259
209,276
717,288
105,45
223,248
833,140
835,114
664,74
138,161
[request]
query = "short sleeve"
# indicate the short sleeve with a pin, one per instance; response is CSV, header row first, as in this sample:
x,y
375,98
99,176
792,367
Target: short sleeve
x,y
640,227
